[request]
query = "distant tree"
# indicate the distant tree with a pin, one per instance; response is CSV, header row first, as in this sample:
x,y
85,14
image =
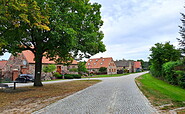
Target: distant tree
x,y
162,53
57,29
103,69
81,67
144,64
49,68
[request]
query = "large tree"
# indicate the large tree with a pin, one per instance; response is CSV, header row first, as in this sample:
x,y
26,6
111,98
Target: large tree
x,y
57,29
162,53
81,67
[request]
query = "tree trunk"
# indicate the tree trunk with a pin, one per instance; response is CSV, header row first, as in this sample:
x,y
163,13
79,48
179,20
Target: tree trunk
x,y
38,68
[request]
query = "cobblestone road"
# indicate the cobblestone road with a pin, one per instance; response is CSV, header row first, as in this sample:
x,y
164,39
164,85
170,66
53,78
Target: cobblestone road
x,y
118,95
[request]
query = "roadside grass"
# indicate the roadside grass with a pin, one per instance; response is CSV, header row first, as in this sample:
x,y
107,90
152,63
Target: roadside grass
x,y
109,75
29,99
161,93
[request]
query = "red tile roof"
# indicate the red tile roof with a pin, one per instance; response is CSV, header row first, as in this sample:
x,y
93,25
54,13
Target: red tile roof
x,y
2,64
137,64
30,58
98,62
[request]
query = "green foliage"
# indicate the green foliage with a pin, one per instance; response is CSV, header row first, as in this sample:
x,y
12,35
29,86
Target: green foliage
x,y
162,53
181,78
72,27
81,67
169,72
49,68
103,69
73,70
71,76
58,75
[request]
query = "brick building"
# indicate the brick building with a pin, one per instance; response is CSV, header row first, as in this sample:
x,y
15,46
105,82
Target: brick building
x,y
93,65
2,67
24,63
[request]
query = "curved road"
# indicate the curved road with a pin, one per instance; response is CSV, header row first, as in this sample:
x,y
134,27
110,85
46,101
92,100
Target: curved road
x,y
119,95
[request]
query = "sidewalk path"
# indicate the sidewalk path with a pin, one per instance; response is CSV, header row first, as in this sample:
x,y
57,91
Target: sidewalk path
x,y
118,95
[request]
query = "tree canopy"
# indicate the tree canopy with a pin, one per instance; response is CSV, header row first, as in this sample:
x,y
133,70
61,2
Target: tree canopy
x,y
81,67
49,68
57,29
160,54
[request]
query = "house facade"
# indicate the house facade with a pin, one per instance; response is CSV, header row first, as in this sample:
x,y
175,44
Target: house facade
x,y
128,65
2,67
24,63
125,65
93,65
137,66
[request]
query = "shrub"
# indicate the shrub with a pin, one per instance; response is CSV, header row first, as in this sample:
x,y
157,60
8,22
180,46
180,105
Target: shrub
x,y
102,69
56,74
181,78
169,72
68,76
73,70
71,76
119,71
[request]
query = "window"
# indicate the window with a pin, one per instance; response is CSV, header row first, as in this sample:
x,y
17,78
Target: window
x,y
103,59
96,59
94,63
90,60
101,63
88,63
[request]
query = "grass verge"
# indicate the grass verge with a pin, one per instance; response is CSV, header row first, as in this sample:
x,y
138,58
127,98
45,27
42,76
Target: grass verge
x,y
29,99
161,94
110,75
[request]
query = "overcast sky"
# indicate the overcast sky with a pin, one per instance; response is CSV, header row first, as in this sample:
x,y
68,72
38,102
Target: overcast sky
x,y
132,27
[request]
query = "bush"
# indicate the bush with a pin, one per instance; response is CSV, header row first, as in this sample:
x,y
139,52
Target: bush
x,y
56,74
181,78
102,69
73,70
71,76
171,75
119,71
68,76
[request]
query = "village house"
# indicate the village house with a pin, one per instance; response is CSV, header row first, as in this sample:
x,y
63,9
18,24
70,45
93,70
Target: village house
x,y
24,63
137,66
93,65
128,66
2,69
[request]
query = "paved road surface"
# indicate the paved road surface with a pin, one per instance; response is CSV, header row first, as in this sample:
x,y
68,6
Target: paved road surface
x,y
118,95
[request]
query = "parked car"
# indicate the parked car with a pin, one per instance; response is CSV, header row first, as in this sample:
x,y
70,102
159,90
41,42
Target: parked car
x,y
24,78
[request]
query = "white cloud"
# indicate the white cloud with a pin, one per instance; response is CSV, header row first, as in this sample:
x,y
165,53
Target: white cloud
x,y
131,27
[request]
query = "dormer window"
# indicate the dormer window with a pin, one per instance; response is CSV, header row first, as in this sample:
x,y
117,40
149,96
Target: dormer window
x,y
103,59
94,63
90,60
101,63
96,59
88,63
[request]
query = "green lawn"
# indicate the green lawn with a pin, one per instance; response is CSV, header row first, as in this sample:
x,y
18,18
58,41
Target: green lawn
x,y
160,92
